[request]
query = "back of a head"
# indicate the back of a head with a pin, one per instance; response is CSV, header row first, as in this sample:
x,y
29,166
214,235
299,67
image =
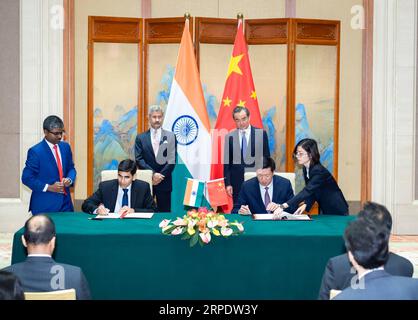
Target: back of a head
x,y
39,230
10,287
368,243
376,214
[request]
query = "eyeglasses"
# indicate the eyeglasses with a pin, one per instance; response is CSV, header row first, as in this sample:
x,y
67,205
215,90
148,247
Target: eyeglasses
x,y
300,154
60,133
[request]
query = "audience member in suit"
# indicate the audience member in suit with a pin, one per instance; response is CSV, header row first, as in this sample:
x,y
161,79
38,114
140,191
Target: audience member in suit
x,y
122,195
263,193
368,251
244,150
10,287
339,271
40,273
155,150
49,170
320,185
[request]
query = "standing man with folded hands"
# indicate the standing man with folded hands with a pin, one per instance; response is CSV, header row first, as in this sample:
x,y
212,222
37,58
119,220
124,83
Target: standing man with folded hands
x,y
155,149
49,171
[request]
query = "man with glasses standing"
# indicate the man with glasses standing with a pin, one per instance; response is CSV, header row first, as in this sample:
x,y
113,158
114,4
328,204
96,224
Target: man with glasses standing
x,y
49,170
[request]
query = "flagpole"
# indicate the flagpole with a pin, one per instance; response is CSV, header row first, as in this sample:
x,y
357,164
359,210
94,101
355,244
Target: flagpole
x,y
240,17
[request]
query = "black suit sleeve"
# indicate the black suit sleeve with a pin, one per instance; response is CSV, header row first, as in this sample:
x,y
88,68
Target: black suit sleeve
x,y
228,149
328,282
266,148
242,201
307,194
148,204
289,195
139,158
92,202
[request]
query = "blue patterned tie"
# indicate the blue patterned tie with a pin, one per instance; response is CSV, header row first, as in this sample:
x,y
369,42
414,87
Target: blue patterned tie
x,y
244,144
125,201
266,197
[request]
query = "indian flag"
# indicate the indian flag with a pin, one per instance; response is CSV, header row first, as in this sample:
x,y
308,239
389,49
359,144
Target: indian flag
x,y
194,193
187,118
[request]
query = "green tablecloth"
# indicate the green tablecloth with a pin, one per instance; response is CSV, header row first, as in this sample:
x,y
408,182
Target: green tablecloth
x,y
132,259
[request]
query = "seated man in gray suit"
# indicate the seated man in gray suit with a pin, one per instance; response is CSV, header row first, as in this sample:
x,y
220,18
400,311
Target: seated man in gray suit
x,y
339,271
368,250
40,273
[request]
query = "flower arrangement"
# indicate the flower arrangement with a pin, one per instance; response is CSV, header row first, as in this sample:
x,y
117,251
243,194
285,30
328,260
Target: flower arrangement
x,y
198,225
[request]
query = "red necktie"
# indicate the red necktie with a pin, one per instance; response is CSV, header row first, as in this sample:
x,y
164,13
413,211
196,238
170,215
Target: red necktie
x,y
57,156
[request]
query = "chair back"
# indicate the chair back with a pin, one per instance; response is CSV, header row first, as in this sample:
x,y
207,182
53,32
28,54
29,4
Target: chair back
x,y
333,293
68,294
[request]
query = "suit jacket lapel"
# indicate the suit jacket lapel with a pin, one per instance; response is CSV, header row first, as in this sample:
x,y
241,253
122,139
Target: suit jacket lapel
x,y
276,190
252,142
149,142
258,195
236,146
51,157
63,156
133,194
114,195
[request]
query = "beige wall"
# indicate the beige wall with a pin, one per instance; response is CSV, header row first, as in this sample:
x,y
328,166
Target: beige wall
x,y
9,99
349,157
219,8
83,9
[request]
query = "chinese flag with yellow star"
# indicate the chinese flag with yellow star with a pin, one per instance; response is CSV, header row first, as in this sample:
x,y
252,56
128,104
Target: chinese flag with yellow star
x,y
239,91
217,193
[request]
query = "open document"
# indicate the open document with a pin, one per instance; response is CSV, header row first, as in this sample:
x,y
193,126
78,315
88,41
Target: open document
x,y
283,216
134,215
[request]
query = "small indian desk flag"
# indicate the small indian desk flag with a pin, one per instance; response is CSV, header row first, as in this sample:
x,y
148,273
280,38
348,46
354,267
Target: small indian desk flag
x,y
194,193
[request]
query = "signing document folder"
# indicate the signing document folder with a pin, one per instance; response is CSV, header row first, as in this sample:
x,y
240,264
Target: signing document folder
x,y
282,216
133,215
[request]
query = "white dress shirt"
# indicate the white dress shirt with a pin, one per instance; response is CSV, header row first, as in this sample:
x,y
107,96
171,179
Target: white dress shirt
x,y
51,147
120,196
39,255
370,271
153,132
247,136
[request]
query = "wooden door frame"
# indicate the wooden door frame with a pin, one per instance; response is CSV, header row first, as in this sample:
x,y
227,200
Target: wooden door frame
x,y
130,31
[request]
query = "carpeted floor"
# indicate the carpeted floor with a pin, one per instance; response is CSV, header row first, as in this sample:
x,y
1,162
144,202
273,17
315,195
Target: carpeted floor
x,y
406,246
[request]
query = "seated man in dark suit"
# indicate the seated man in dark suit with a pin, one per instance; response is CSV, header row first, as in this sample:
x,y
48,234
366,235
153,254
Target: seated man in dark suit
x,y
339,272
121,195
264,192
40,273
10,287
368,251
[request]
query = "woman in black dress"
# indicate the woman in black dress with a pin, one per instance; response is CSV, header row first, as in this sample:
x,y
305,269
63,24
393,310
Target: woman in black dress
x,y
320,185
